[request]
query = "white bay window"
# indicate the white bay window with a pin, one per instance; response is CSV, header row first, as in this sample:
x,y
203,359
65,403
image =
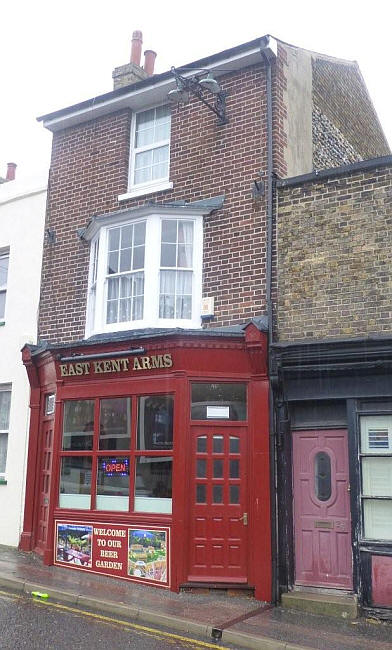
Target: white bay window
x,y
145,271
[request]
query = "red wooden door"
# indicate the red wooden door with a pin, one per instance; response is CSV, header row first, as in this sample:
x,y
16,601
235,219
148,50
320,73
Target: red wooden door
x,y
44,481
218,534
322,519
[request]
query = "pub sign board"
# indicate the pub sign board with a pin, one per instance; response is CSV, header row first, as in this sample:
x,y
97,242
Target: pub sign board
x,y
127,552
126,364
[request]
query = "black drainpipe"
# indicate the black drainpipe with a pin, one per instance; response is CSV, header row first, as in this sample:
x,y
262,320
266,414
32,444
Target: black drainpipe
x,y
264,44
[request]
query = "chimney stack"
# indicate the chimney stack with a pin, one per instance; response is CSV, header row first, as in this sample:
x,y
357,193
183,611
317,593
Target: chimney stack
x,y
132,72
149,62
136,48
11,167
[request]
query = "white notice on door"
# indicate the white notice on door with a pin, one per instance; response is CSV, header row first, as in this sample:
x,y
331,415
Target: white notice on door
x,y
218,412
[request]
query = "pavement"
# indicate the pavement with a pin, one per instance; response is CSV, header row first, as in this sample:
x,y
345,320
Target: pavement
x,y
237,620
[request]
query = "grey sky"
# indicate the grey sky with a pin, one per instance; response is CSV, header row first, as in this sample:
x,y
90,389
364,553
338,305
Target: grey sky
x,y
56,53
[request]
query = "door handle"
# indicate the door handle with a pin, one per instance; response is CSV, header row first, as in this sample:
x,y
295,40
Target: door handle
x,y
244,519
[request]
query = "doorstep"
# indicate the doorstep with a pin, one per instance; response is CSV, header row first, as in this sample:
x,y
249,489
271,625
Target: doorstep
x,y
325,604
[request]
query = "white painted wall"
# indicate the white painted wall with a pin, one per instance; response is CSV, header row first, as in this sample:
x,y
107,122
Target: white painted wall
x,y
22,218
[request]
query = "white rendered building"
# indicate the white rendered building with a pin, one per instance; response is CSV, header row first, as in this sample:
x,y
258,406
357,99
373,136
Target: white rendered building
x,y
22,219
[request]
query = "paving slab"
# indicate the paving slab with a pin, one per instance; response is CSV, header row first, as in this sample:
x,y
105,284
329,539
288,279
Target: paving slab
x,y
240,620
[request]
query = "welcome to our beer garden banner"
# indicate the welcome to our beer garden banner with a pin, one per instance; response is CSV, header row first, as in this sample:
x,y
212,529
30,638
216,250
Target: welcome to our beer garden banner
x,y
122,551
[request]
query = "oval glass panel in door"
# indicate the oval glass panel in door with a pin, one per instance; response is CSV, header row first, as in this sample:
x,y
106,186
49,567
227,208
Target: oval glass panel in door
x,y
322,476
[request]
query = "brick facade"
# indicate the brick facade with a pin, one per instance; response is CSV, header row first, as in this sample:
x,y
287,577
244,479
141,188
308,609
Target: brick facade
x,y
89,170
334,256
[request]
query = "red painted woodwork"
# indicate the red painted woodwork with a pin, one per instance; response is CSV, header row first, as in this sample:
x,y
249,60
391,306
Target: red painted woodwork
x,y
210,359
381,581
219,504
44,483
323,555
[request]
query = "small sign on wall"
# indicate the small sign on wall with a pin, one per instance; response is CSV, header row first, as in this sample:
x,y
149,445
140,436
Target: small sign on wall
x,y
127,552
207,306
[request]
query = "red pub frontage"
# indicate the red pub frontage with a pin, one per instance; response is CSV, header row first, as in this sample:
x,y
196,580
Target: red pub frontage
x,y
148,457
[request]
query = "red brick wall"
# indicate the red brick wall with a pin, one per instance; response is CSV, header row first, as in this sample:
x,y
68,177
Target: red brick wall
x,y
89,170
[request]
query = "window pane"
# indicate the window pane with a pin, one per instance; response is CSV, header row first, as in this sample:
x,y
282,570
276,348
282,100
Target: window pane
x,y
377,477
201,493
113,263
169,231
218,469
377,519
153,485
139,236
126,236
376,434
217,494
184,307
166,306
202,444
5,404
201,468
125,260
217,444
4,260
113,483
75,482
142,175
114,239
3,451
185,256
234,469
2,304
234,445
138,257
78,425
155,422
232,396
168,255
115,423
322,476
234,494
113,286
112,312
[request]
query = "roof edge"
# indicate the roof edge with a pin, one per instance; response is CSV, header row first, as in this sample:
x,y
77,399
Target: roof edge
x,y
332,172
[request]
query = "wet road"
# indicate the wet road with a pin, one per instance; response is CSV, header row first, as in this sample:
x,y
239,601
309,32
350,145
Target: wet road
x,y
30,623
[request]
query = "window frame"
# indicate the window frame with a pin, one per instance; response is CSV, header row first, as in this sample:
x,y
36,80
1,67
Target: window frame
x,y
147,187
4,254
6,388
132,453
97,286
366,454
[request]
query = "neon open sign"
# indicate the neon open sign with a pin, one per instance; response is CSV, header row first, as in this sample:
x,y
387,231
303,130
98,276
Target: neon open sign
x,y
116,467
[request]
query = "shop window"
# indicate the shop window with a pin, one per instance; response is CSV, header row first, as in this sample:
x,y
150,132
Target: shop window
x,y
376,469
131,463
5,404
145,272
218,402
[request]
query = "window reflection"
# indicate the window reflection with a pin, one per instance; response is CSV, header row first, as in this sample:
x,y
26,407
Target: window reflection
x,y
155,422
78,429
115,423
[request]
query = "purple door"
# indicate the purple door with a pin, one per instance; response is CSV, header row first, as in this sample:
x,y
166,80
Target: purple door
x,y
322,509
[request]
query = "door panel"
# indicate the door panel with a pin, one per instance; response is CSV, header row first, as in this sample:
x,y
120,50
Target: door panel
x,y
322,509
218,540
45,476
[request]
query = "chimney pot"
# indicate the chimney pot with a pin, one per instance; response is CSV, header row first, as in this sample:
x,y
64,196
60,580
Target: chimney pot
x,y
149,62
136,49
11,167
